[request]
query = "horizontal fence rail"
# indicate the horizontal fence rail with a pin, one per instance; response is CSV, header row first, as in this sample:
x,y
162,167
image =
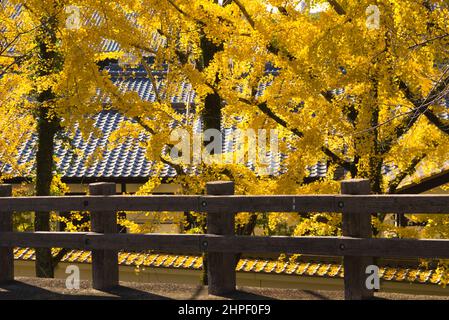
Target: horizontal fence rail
x,y
366,204
182,243
221,245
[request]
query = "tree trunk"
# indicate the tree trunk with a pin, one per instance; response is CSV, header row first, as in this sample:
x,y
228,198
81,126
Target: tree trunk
x,y
46,131
212,112
213,102
211,116
49,61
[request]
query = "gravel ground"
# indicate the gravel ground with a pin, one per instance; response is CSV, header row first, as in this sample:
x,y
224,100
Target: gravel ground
x,y
52,289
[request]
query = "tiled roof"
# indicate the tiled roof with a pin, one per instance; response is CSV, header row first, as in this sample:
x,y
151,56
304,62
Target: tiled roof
x,y
128,160
308,269
125,161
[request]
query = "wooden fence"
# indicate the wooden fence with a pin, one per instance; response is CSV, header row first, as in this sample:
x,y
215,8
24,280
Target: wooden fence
x,y
356,245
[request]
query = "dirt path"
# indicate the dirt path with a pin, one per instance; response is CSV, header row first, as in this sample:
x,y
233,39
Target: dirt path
x,y
50,289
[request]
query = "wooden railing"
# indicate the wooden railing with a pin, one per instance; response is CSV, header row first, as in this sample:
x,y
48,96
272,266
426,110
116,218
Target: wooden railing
x,y
356,245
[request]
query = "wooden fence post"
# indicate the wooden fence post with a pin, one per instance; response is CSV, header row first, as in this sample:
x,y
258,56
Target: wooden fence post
x,y
6,253
356,224
104,262
221,266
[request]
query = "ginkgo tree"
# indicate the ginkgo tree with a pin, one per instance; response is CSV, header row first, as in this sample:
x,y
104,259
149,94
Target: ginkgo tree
x,y
50,78
359,85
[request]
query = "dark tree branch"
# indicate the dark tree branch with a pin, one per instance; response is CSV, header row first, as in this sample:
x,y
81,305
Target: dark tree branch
x,y
426,42
337,7
245,13
437,121
393,185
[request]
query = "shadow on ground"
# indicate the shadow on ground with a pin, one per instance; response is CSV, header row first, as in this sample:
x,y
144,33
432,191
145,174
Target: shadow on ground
x,y
24,291
55,289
